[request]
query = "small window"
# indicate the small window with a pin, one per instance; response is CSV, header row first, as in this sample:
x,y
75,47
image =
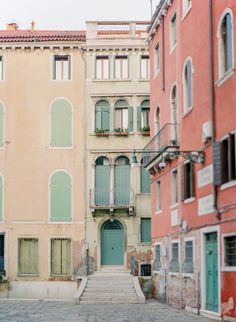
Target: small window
x,y
175,257
145,66
102,116
1,68
187,86
173,31
102,67
158,195
145,230
228,153
143,116
174,187
188,180
28,256
121,67
157,260
60,256
230,251
186,6
157,59
145,270
225,45
123,117
188,260
61,67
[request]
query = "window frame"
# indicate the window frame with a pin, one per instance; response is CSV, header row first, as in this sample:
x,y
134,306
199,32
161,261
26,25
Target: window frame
x,y
142,219
154,257
146,59
186,8
158,197
102,58
53,76
121,57
2,68
71,255
188,198
223,75
3,126
18,255
175,241
174,204
229,161
173,32
2,196
187,109
224,267
188,239
157,57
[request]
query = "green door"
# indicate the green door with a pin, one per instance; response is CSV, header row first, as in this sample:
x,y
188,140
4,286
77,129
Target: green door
x,y
122,181
112,243
211,257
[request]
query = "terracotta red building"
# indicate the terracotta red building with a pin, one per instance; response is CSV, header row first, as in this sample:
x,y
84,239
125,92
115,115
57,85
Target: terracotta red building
x,y
192,155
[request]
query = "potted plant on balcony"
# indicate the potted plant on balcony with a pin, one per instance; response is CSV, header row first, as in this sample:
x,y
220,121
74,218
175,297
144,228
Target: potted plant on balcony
x,y
145,130
102,132
119,131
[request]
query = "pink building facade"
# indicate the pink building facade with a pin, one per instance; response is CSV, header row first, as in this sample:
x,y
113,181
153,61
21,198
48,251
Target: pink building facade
x,y
192,155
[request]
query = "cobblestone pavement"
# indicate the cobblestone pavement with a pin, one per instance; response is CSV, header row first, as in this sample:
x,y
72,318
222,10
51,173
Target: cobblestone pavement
x,y
58,311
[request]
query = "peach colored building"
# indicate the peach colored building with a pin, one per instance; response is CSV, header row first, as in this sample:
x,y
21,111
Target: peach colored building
x,y
191,155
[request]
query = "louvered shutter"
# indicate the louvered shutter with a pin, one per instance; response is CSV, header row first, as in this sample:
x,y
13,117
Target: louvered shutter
x,y
130,111
189,83
231,156
183,183
192,181
98,118
139,120
229,42
217,161
105,118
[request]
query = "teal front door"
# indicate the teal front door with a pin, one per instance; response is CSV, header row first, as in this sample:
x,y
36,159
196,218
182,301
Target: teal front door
x,y
112,243
211,259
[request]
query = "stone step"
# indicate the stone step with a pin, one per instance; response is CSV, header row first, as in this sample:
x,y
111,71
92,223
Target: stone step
x,y
109,302
109,289
108,296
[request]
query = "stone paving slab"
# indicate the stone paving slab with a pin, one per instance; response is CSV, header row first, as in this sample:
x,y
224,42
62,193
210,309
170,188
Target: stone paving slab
x,y
66,311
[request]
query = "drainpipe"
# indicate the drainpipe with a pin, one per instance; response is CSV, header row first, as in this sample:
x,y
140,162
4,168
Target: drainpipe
x,y
212,97
163,54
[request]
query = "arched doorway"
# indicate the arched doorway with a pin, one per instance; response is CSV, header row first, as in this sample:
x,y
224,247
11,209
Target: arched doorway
x,y
112,243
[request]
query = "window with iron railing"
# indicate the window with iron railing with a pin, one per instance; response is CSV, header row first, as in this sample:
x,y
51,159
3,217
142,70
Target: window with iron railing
x,y
28,256
230,251
188,266
174,265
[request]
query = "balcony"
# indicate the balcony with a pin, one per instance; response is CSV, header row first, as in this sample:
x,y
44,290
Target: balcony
x,y
165,140
112,199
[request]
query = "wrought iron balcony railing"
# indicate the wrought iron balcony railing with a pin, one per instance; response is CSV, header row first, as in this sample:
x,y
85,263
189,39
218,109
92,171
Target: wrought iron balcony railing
x,y
166,138
111,198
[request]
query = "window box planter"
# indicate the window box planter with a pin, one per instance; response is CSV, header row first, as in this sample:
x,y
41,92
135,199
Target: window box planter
x,y
121,132
102,132
145,131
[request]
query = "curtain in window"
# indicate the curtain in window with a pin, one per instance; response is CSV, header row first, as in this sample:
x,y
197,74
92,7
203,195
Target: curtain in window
x,y
61,124
60,195
28,256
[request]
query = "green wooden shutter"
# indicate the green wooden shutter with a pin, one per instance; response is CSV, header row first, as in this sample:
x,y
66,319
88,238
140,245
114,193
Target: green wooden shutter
x,y
105,118
189,83
130,111
139,120
229,42
145,230
102,185
122,184
1,124
60,197
183,182
192,179
217,162
1,198
61,124
98,118
145,180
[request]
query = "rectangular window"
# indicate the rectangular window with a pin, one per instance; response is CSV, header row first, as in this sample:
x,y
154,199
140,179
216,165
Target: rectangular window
x,y
173,31
175,257
61,256
186,6
1,68
145,115
121,118
158,195
228,152
28,256
102,67
157,260
174,187
188,260
230,251
61,67
145,66
188,180
121,67
145,230
157,59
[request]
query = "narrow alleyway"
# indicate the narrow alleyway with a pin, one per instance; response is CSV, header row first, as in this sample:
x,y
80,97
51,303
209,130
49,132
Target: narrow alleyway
x,y
51,311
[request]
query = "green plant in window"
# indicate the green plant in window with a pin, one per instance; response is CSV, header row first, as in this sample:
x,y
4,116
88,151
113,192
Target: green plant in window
x,y
145,128
121,130
100,131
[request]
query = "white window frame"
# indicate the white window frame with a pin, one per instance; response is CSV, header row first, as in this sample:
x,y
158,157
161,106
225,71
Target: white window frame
x,y
156,59
192,239
102,58
173,32
54,66
174,241
224,267
187,110
154,253
121,57
174,204
223,75
145,59
186,7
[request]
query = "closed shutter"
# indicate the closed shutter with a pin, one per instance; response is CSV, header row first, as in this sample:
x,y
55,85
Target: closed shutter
x,y
102,185
229,42
192,180
183,182
145,230
217,160
130,119
122,184
189,84
105,122
139,118
231,156
28,256
145,180
60,197
1,198
98,118
1,124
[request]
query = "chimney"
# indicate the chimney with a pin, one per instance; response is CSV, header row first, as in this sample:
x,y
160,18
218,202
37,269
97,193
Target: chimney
x,y
32,26
12,26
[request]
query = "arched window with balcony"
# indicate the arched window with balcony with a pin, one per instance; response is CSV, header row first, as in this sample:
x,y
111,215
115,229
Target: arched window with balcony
x,y
102,181
122,181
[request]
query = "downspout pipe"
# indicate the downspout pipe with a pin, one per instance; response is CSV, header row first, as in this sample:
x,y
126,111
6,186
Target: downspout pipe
x,y
212,97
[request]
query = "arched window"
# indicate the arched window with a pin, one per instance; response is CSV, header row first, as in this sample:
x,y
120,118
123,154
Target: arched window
x,y
102,181
61,124
143,116
187,85
225,44
123,116
60,196
1,125
144,179
122,181
174,116
1,197
102,116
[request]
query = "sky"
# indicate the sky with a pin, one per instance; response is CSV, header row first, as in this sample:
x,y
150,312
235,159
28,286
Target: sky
x,y
71,14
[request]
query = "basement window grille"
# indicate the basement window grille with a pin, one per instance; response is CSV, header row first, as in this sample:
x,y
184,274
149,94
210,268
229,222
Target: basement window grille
x,y
230,251
145,270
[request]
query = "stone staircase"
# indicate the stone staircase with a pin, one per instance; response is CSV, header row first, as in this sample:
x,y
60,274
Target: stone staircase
x,y
110,287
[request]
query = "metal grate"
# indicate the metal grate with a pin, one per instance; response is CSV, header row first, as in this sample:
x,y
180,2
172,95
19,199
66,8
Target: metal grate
x,y
145,270
230,251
